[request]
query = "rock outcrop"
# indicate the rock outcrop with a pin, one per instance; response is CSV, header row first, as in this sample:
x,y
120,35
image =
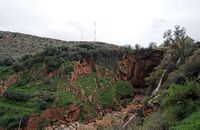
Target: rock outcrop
x,y
136,67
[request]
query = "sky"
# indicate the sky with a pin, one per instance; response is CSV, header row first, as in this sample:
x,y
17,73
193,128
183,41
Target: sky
x,y
121,22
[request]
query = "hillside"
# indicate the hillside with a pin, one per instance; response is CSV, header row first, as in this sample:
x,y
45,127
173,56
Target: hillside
x,y
53,84
18,44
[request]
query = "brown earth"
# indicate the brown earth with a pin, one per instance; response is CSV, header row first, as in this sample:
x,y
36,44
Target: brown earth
x,y
55,116
138,66
80,69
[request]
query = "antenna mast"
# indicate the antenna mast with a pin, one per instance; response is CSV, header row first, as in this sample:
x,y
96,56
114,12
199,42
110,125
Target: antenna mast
x,y
94,31
81,35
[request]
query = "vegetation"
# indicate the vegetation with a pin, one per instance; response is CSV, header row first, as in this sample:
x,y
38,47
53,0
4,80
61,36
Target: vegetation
x,y
178,39
47,79
182,100
190,123
123,89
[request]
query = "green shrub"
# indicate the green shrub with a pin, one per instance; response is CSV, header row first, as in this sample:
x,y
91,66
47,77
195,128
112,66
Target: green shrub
x,y
16,96
65,98
123,89
18,67
190,123
107,97
88,111
25,79
154,121
182,100
68,70
52,63
8,61
45,100
49,85
1,62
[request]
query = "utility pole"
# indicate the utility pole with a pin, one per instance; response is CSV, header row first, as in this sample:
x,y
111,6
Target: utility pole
x,y
94,31
81,35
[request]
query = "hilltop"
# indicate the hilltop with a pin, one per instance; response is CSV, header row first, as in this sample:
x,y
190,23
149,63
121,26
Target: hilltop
x,y
18,44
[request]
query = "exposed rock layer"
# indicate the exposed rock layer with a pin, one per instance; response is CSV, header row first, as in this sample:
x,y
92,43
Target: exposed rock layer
x,y
136,67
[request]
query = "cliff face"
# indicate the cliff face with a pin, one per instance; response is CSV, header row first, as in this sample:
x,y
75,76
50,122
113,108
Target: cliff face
x,y
136,67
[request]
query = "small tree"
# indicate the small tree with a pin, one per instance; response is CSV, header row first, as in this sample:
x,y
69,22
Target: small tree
x,y
152,45
137,46
178,40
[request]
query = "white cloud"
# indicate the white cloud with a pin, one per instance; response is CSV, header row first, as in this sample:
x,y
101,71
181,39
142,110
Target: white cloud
x,y
118,21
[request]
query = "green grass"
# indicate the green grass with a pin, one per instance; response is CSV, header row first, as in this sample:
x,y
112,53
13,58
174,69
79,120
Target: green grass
x,y
87,83
66,98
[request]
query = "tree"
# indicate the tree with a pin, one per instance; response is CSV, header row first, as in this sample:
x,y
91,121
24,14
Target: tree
x,y
152,45
137,46
178,40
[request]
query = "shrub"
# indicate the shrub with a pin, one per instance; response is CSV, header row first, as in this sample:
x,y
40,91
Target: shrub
x,y
190,123
45,100
87,46
53,62
16,96
25,79
49,85
182,100
65,98
123,89
18,67
68,69
8,61
48,97
88,111
107,97
155,121
1,62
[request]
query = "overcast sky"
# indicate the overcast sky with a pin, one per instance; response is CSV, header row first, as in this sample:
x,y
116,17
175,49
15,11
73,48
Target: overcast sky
x,y
117,21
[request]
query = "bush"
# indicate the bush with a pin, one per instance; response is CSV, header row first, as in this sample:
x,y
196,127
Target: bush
x,y
88,111
68,70
1,62
16,96
182,100
18,67
45,100
49,85
154,121
123,89
8,61
190,123
25,79
53,62
107,98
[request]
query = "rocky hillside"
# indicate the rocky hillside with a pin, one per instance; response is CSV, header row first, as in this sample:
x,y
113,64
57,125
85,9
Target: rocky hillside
x,y
18,44
68,83
52,84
